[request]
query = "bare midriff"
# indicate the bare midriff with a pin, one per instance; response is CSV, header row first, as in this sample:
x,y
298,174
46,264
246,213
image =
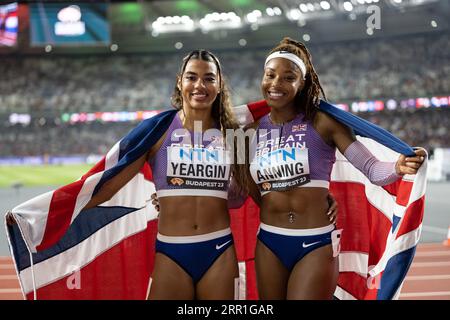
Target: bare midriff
x,y
192,215
299,208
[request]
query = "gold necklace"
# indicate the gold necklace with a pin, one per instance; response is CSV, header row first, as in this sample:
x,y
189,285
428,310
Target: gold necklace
x,y
281,129
273,122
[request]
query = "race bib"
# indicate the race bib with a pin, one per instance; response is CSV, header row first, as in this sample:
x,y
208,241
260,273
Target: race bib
x,y
282,169
198,168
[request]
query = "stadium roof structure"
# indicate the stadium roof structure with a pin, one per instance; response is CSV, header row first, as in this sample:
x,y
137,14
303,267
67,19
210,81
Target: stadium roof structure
x,y
170,25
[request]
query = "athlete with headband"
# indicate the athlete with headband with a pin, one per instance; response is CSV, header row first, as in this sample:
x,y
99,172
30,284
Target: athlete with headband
x,y
195,256
291,165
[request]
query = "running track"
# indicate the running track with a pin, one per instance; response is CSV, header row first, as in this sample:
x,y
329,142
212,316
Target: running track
x,y
427,279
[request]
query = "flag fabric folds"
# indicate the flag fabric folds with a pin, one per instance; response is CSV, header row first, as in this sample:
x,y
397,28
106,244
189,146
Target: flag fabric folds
x,y
63,252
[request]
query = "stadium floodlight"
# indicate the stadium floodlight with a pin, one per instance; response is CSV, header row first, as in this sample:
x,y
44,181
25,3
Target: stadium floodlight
x,y
251,17
348,6
172,24
361,1
294,14
271,14
176,19
216,20
306,37
325,5
310,6
215,16
303,7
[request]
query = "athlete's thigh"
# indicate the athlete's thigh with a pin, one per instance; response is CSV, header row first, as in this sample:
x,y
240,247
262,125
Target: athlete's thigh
x,y
218,282
271,274
170,281
314,277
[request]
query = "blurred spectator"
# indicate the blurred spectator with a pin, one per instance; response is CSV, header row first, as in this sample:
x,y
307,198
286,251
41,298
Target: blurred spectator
x,y
428,128
360,70
398,68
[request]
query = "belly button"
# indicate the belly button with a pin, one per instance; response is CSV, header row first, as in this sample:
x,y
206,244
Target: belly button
x,y
195,226
291,217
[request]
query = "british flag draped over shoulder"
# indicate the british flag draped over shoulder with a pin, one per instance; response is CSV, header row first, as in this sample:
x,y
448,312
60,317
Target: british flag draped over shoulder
x,y
106,252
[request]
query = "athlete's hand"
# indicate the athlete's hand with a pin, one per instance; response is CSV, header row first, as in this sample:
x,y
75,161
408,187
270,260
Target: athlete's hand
x,y
10,219
155,201
333,209
410,165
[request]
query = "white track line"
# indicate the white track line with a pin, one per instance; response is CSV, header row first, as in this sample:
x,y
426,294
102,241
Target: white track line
x,y
433,253
430,264
5,258
434,230
424,294
10,291
9,277
432,277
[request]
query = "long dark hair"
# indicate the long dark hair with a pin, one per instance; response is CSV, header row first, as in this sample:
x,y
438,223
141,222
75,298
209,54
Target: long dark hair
x,y
308,99
221,108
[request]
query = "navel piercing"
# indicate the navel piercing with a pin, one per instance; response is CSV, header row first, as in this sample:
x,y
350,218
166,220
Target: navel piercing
x,y
291,217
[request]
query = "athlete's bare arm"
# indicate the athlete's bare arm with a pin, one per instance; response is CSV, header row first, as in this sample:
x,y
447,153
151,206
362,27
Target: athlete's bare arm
x,y
253,189
111,187
333,132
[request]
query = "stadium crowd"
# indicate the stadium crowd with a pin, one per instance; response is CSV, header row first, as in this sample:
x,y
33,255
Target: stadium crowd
x,y
361,70
425,128
354,71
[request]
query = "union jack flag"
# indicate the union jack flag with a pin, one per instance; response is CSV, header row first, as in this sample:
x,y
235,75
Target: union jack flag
x,y
110,248
299,127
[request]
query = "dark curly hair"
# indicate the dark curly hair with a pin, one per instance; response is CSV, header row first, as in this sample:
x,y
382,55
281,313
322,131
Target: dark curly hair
x,y
308,99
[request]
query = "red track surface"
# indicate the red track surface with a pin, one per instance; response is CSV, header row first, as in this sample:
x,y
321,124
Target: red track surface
x,y
9,284
427,279
429,275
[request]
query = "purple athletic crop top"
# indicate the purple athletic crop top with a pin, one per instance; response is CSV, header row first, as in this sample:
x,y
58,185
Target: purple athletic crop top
x,y
191,167
290,155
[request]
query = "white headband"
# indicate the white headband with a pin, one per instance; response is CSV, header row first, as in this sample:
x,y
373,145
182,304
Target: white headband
x,y
290,56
